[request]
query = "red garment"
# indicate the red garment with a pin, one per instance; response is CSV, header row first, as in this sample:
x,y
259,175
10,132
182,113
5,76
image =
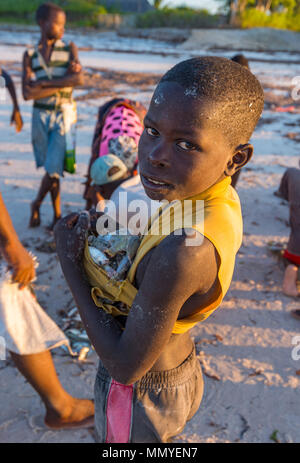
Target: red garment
x,y
292,257
118,413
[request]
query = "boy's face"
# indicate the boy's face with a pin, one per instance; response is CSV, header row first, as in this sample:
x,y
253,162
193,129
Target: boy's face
x,y
54,27
180,148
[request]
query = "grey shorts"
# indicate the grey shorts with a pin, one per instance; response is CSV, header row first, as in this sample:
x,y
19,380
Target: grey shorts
x,y
153,409
48,140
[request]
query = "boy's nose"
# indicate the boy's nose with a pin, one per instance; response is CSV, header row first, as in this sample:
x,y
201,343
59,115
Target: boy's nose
x,y
158,157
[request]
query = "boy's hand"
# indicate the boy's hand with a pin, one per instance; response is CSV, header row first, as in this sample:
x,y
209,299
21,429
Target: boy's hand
x,y
36,83
16,119
70,236
74,67
21,263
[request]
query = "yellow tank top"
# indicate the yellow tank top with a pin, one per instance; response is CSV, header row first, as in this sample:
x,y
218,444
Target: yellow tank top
x,y
220,222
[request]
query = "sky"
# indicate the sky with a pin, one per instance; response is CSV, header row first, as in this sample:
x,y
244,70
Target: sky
x,y
210,5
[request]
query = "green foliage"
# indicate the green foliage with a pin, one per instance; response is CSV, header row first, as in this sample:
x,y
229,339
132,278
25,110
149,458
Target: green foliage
x,y
18,7
177,17
157,4
81,12
279,20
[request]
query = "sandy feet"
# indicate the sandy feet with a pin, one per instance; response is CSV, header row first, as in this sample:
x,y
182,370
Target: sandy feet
x,y
78,414
289,285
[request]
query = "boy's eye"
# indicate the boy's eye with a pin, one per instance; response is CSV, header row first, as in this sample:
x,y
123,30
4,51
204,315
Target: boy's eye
x,y
152,132
185,145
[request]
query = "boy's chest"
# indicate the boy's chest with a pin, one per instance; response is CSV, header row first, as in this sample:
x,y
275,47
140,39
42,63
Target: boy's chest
x,y
46,52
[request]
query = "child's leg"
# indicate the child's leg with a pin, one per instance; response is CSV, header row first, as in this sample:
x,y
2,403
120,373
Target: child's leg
x,y
54,163
152,410
290,190
55,198
45,187
62,410
289,285
39,134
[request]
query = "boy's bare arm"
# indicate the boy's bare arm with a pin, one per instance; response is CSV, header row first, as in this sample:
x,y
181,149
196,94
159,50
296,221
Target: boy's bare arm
x,y
11,88
31,91
16,117
169,280
16,256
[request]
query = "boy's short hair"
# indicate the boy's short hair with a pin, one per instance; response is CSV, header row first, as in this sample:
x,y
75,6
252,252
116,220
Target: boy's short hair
x,y
45,10
236,95
241,59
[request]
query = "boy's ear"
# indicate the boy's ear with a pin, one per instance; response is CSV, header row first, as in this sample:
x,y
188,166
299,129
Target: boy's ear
x,y
241,156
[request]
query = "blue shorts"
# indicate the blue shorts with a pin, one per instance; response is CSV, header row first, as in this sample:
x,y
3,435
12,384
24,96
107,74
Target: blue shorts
x,y
48,140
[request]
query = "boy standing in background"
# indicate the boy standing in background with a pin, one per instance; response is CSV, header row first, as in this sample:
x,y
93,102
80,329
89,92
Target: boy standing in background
x,y
57,70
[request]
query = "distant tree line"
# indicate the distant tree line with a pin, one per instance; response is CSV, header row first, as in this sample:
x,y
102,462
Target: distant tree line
x,y
237,8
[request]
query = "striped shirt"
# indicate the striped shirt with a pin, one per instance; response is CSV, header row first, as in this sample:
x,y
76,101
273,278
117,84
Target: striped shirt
x,y
55,68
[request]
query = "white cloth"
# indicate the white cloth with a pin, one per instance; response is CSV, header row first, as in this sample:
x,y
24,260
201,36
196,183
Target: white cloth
x,y
24,325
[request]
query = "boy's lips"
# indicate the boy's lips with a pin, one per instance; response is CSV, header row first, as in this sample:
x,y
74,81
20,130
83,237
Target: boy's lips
x,y
153,183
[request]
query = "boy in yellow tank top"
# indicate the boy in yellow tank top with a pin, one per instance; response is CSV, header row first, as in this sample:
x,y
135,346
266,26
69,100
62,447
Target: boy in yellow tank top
x,y
196,135
50,71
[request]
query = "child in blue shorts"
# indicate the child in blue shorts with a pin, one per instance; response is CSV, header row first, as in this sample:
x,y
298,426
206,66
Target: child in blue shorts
x,y
55,66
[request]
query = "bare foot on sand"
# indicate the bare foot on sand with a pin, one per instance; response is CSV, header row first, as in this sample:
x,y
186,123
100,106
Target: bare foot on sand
x,y
289,285
35,219
79,413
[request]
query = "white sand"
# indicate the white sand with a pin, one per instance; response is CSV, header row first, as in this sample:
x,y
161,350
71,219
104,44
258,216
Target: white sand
x,y
257,389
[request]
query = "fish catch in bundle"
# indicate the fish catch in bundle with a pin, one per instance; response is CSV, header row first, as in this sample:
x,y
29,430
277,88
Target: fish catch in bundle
x,y
119,305
114,253
98,256
113,244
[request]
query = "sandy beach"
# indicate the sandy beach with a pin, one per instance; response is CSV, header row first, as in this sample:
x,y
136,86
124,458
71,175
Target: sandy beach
x,y
252,391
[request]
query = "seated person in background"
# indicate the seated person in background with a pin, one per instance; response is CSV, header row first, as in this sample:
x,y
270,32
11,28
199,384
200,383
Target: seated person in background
x,y
290,191
118,130
242,60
